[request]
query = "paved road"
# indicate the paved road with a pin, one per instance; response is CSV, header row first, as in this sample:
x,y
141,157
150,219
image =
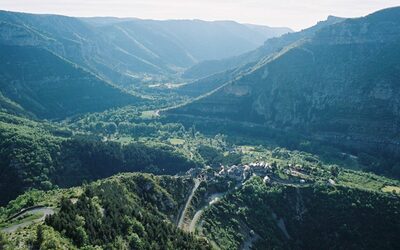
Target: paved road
x,y
44,210
188,201
195,219
212,199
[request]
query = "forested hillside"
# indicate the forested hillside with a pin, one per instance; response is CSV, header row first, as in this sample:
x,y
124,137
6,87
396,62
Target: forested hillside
x,y
132,211
43,156
339,87
130,51
48,86
314,217
270,46
139,211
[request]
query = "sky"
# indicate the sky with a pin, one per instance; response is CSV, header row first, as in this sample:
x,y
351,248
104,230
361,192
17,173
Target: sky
x,y
295,14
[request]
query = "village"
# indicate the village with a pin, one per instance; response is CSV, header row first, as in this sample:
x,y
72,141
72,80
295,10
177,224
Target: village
x,y
294,174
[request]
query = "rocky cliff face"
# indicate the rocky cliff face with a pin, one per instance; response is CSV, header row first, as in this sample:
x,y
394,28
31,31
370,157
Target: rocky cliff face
x,y
341,85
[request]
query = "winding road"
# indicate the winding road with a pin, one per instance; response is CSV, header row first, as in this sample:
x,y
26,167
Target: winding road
x,y
188,201
195,219
44,210
212,199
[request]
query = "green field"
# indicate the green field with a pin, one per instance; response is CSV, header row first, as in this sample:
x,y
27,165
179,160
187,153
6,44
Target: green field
x,y
391,189
124,140
176,141
149,114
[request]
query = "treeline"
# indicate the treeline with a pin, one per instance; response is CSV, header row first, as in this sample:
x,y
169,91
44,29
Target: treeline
x,y
215,158
125,121
27,153
89,159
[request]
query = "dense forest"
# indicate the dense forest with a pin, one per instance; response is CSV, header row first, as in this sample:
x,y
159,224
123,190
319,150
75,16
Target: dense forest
x,y
314,217
131,211
136,212
43,156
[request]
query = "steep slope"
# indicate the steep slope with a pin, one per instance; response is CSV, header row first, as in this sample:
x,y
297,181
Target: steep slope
x,y
126,50
340,86
138,211
270,46
136,208
311,217
184,42
129,211
51,87
8,106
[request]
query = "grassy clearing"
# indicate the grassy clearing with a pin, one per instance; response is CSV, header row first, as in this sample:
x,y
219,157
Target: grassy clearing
x,y
247,149
176,141
124,140
361,180
391,189
151,114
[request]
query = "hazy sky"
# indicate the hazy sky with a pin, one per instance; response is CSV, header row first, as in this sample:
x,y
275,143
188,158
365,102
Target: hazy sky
x,y
296,14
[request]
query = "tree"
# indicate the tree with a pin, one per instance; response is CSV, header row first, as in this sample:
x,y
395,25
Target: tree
x,y
39,237
4,244
111,128
334,171
135,242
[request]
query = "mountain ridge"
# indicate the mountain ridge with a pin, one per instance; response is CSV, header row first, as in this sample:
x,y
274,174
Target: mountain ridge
x,y
125,50
65,90
332,86
271,45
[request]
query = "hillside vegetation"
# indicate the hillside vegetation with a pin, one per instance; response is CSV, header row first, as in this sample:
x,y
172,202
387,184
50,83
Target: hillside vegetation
x,y
48,86
128,51
339,87
132,211
43,156
312,217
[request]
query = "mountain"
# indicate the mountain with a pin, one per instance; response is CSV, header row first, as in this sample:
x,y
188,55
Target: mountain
x,y
312,217
270,46
6,105
191,41
127,211
49,86
126,50
339,86
142,211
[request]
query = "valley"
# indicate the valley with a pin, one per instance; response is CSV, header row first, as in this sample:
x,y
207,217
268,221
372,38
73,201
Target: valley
x,y
126,133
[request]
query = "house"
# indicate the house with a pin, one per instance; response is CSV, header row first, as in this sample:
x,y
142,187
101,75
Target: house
x,y
267,179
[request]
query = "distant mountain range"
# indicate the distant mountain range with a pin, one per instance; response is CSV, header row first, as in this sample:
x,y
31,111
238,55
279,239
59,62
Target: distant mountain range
x,y
337,82
57,66
213,73
122,50
272,45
